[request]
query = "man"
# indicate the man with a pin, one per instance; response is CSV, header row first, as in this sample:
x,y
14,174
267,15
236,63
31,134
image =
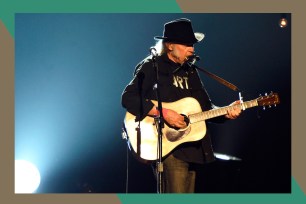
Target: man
x,y
177,80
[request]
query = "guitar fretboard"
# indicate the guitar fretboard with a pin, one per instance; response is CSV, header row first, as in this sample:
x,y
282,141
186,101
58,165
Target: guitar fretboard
x,y
220,111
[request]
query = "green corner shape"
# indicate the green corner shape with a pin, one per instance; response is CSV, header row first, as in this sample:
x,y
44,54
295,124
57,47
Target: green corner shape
x,y
8,8
296,197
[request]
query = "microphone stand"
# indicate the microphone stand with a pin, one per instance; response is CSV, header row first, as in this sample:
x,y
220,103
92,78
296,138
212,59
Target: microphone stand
x,y
160,125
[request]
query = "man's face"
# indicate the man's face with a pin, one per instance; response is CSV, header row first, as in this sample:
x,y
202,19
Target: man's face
x,y
180,52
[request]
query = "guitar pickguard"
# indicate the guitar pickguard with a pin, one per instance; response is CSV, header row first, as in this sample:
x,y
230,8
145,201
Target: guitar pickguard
x,y
175,135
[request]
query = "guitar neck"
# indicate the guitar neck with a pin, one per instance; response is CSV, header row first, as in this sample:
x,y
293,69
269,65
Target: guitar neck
x,y
220,111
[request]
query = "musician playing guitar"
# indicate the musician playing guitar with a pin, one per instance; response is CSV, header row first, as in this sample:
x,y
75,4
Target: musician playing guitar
x,y
177,81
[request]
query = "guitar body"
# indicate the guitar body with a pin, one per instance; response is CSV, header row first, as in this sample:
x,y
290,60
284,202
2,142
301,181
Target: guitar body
x,y
144,141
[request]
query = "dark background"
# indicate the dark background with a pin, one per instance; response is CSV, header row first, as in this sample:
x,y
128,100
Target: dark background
x,y
70,70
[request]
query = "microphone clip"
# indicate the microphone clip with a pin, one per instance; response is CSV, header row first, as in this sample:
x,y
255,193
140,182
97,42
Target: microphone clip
x,y
191,60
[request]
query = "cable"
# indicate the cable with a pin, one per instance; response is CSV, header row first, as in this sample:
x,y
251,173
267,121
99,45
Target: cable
x,y
127,170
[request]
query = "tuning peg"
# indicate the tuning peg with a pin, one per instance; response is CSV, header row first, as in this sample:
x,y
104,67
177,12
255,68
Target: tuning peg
x,y
264,108
269,106
266,94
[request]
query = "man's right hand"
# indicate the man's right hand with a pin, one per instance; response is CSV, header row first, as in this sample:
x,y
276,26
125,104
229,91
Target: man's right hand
x,y
174,119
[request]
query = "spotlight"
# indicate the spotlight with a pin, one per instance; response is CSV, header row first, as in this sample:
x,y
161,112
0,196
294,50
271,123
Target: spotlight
x,y
27,177
283,21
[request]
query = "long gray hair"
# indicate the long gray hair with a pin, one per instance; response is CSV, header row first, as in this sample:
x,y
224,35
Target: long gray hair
x,y
161,47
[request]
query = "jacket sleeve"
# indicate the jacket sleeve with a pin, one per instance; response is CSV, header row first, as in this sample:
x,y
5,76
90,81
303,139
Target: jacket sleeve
x,y
134,97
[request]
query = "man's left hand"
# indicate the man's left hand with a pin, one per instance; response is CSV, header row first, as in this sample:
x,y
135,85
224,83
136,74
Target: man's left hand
x,y
234,112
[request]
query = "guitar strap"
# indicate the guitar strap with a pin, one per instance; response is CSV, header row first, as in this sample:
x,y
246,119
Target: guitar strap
x,y
219,79
190,62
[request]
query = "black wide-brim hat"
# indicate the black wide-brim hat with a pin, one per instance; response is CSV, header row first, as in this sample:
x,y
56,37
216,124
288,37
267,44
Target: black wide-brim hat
x,y
180,31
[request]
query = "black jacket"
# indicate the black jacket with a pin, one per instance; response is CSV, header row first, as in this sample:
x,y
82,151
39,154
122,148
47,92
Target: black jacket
x,y
175,82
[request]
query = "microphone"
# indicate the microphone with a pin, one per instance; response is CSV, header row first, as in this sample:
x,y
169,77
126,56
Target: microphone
x,y
191,60
153,51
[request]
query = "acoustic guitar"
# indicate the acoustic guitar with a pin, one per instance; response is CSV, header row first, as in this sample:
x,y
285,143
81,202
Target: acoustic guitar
x,y
143,136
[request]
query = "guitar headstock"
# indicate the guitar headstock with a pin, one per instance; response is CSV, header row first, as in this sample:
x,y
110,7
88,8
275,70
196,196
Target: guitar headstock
x,y
268,100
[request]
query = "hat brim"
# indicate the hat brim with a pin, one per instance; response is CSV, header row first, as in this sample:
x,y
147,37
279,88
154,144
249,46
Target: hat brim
x,y
198,36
